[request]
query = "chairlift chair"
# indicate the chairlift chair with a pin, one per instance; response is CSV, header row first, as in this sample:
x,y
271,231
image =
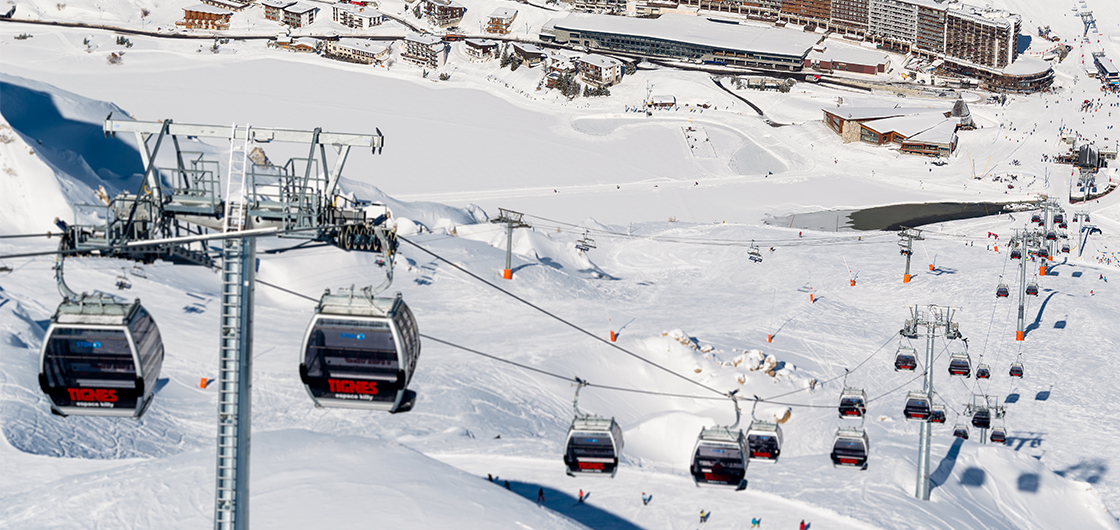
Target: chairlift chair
x,y
594,443
918,407
100,358
982,418
983,372
999,435
850,448
853,403
960,364
906,359
1002,291
1032,289
123,283
961,431
937,414
360,352
754,254
1016,370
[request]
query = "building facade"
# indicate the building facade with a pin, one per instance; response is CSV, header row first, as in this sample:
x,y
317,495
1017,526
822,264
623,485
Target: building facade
x,y
424,50
981,36
201,16
362,51
767,10
806,12
357,17
599,70
849,17
480,49
274,9
299,15
501,20
444,13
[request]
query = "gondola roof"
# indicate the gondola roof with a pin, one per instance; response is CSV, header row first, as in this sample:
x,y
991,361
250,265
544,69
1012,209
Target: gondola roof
x,y
96,309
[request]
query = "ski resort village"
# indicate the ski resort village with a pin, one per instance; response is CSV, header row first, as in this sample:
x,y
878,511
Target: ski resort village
x,y
559,264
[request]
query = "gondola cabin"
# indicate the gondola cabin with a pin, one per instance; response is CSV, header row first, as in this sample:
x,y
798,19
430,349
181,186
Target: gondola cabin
x,y
906,359
853,403
959,365
1002,291
983,372
1043,253
360,352
1059,218
982,418
937,415
1063,224
1051,235
1016,254
593,447
764,440
719,458
999,435
1035,218
1016,370
1032,289
100,358
961,431
1065,248
917,408
850,448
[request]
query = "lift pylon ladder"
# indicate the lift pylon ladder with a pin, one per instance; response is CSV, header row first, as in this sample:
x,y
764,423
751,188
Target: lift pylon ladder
x,y
906,247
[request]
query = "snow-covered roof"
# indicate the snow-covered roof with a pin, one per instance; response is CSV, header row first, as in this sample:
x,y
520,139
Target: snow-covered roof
x,y
481,43
504,13
309,41
602,61
1025,65
426,40
203,8
363,44
906,125
851,55
699,31
278,4
942,133
300,7
526,48
870,113
1106,64
360,11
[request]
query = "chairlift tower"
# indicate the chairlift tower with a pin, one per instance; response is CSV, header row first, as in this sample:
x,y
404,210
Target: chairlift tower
x,y
933,318
178,210
512,220
906,247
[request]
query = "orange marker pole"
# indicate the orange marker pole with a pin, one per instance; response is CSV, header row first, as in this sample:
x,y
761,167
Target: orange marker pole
x,y
613,336
1020,335
906,279
202,383
769,338
853,283
930,266
507,274
1042,270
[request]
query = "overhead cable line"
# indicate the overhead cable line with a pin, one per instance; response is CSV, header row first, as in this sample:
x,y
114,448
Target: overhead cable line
x,y
47,235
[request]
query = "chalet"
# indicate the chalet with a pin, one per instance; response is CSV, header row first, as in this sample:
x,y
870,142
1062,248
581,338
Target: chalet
x,y
200,16
529,54
480,49
600,70
444,13
501,20
558,63
299,15
363,51
846,121
357,17
551,80
662,102
274,9
424,50
302,44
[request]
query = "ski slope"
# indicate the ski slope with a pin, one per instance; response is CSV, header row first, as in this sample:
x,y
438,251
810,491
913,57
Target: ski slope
x,y
456,151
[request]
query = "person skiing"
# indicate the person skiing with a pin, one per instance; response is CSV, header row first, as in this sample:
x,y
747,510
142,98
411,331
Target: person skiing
x,y
802,524
540,495
756,522
581,496
646,498
704,516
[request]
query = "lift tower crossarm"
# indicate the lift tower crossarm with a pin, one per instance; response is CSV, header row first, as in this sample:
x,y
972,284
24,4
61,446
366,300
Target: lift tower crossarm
x,y
259,134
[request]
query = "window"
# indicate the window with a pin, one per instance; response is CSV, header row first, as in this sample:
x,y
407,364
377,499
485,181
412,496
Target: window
x,y
869,136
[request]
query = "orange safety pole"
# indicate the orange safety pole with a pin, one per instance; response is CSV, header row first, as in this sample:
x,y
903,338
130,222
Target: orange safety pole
x,y
614,337
507,274
769,338
906,279
1042,270
853,282
1020,335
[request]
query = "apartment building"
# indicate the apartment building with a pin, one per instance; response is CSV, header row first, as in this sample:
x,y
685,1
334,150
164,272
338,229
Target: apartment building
x,y
849,17
424,50
357,17
981,36
893,23
601,6
930,35
501,20
806,12
767,10
444,13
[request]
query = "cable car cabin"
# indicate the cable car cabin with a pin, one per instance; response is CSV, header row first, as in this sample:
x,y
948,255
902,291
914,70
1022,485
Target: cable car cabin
x,y
853,403
1059,218
999,435
959,365
917,408
982,418
719,458
1035,218
1051,235
1002,291
850,448
764,439
360,352
906,359
100,358
1016,254
961,431
937,414
1063,224
1032,289
1087,220
1065,248
983,372
593,447
1016,370
1043,253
